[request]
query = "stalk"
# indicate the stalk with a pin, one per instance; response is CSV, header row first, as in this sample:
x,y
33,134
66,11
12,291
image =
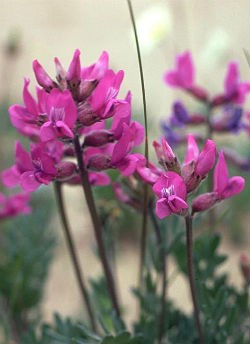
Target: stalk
x,y
72,251
97,226
143,239
162,315
189,243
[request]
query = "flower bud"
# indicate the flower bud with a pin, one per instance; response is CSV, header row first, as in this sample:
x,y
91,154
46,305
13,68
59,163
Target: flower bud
x,y
60,74
65,170
204,202
42,77
206,159
98,138
85,115
166,156
73,76
99,162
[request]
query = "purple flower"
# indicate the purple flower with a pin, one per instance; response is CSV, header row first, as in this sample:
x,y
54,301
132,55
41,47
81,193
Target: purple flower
x,y
180,115
171,192
229,121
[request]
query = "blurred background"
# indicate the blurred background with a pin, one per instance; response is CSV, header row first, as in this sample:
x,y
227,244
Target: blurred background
x,y
214,31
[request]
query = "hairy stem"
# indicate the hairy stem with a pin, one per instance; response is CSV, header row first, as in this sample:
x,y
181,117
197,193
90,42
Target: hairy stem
x,y
73,255
189,243
97,226
159,239
143,239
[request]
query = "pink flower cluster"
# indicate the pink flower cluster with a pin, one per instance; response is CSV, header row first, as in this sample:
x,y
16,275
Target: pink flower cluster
x,y
183,76
174,181
79,103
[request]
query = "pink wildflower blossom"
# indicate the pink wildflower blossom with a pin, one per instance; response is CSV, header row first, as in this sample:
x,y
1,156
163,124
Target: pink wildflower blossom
x,y
171,192
224,187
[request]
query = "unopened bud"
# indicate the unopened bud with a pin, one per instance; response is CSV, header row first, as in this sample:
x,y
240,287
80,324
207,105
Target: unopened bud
x,y
85,115
73,76
60,73
166,156
42,77
66,170
204,202
98,138
99,162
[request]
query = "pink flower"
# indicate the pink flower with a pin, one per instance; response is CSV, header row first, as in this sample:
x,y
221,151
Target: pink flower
x,y
14,205
26,119
61,112
235,90
197,165
103,97
224,187
183,74
32,170
171,192
166,156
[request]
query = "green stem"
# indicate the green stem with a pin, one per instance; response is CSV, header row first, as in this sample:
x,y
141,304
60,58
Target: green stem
x,y
143,239
73,255
162,253
97,226
189,243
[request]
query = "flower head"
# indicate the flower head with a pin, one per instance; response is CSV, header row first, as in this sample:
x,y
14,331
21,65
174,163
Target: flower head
x,y
171,192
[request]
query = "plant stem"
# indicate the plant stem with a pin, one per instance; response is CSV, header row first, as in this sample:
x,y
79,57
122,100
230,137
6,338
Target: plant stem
x,y
189,241
73,255
143,239
97,226
164,275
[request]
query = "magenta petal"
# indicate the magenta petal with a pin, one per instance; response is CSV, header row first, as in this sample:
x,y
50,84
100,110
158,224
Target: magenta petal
x,y
147,174
137,132
99,178
22,158
192,150
234,186
47,132
128,165
28,99
74,71
10,177
185,69
206,159
162,208
42,77
171,79
28,181
176,204
220,174
122,147
63,130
